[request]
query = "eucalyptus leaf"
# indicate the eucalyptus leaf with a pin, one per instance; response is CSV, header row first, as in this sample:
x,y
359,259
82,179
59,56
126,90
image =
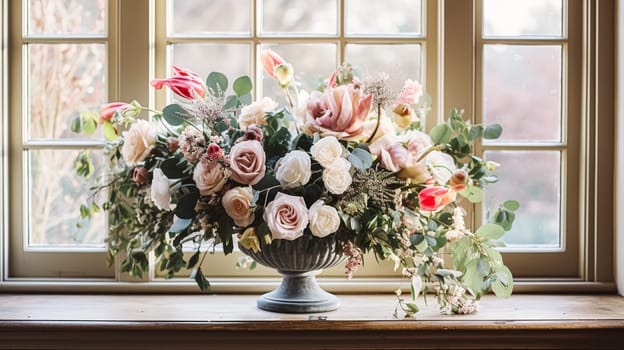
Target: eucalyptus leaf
x,y
473,193
242,86
490,231
493,131
180,225
360,158
441,134
175,115
512,205
217,83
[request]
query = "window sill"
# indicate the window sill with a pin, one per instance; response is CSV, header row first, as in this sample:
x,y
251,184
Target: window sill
x,y
363,321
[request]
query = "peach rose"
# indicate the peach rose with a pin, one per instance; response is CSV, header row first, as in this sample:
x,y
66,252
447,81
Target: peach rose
x,y
237,204
247,162
210,177
286,216
138,141
254,113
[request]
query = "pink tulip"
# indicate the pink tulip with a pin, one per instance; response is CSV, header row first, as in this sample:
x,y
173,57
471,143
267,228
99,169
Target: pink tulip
x,y
342,110
180,71
107,111
270,60
186,86
434,198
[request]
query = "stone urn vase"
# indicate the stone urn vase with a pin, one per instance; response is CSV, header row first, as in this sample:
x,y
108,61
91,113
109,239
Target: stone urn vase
x,y
299,261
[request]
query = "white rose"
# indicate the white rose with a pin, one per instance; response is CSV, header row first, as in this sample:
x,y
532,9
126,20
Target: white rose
x,y
254,113
327,150
294,169
160,192
441,166
336,180
324,220
286,216
340,164
138,141
210,177
237,204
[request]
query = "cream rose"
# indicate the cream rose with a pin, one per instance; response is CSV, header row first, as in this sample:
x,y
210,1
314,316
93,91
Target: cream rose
x,y
247,162
336,180
160,193
340,164
210,177
327,150
138,141
286,216
324,220
441,166
237,204
294,169
254,113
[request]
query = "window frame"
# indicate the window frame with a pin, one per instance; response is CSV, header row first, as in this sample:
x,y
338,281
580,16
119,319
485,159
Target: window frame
x,y
595,256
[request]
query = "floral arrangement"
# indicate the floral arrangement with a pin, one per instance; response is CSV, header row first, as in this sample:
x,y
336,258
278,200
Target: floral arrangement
x,y
349,160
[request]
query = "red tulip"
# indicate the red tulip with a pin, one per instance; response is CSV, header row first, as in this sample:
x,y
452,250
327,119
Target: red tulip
x,y
434,198
180,71
186,86
107,111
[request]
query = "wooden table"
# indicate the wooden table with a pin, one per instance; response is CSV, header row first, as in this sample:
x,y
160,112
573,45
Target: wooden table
x,y
38,321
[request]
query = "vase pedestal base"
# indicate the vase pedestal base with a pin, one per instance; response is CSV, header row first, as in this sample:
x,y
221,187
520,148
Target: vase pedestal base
x,y
298,293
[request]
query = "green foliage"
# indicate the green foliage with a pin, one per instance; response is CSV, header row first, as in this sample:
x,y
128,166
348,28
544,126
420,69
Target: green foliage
x,y
360,158
175,115
242,86
217,83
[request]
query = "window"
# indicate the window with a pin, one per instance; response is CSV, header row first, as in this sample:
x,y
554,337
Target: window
x,y
537,67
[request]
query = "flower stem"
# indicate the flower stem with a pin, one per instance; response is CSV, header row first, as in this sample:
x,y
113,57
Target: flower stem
x,y
377,125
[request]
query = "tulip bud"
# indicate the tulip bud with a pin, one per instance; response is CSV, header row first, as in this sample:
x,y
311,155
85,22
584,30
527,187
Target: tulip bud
x,y
270,60
402,116
107,111
139,175
284,74
459,180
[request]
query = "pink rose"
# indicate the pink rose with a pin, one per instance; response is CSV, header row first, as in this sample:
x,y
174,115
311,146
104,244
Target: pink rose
x,y
247,162
411,93
210,177
435,198
286,216
394,157
339,111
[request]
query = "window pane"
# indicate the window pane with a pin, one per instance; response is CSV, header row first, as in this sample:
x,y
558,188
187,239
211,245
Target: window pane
x,y
54,199
400,62
534,179
66,17
63,80
522,17
312,64
384,17
300,16
209,17
522,91
206,58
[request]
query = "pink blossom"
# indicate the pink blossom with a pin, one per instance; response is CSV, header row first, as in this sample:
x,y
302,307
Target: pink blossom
x,y
435,198
108,110
184,82
270,60
339,111
214,151
411,93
